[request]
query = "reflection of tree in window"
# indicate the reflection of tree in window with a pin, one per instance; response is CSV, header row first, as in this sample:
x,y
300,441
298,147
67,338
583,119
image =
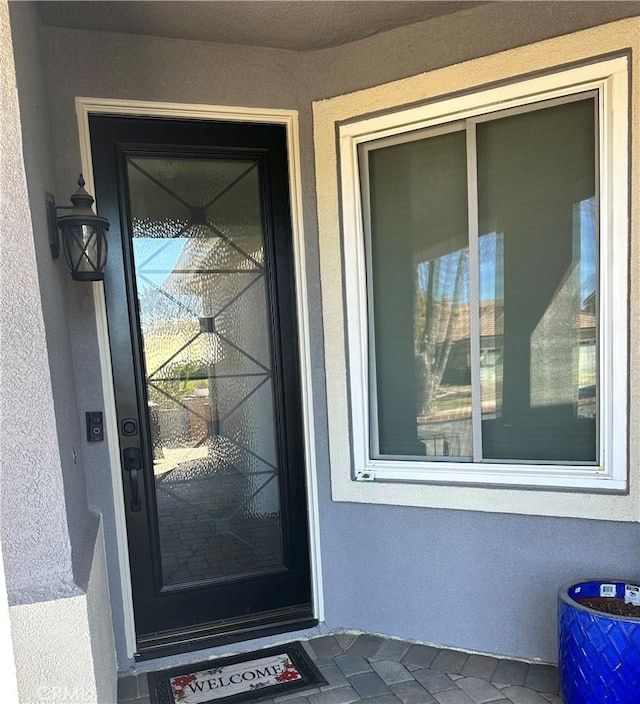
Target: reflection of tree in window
x,y
438,310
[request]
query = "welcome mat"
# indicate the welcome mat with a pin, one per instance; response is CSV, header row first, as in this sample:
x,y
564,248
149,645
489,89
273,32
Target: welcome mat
x,y
272,672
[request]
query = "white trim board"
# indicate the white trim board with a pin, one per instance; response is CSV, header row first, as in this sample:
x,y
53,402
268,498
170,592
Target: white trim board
x,y
288,118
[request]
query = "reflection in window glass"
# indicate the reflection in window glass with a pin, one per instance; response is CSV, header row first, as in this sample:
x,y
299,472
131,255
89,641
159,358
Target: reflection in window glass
x,y
587,280
420,273
536,186
535,305
491,323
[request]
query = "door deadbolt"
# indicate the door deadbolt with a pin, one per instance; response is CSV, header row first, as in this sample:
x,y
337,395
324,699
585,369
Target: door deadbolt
x,y
129,426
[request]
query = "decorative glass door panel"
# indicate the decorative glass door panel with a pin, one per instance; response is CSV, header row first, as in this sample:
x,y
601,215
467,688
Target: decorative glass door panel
x,y
202,324
198,250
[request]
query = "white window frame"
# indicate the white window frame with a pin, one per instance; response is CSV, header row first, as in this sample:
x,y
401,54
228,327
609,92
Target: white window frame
x,y
609,78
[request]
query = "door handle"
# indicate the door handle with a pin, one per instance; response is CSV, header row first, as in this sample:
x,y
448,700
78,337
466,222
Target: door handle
x,y
132,460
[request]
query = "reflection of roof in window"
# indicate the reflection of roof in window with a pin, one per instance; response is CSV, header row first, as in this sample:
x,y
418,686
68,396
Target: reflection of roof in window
x,y
491,321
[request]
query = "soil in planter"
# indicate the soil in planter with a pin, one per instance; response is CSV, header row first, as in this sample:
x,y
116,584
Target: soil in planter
x,y
615,607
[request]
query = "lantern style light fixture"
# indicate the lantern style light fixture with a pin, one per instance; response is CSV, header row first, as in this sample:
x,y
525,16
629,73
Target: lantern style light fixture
x,y
83,235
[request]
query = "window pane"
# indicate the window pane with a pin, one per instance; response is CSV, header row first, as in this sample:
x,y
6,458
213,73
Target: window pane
x,y
538,284
421,395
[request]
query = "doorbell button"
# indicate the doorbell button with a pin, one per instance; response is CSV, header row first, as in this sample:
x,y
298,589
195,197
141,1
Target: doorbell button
x,y
95,426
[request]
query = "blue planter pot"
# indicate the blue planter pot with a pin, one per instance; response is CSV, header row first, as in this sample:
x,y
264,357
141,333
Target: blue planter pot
x,y
599,654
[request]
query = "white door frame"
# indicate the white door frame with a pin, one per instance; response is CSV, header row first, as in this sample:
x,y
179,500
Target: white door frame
x,y
288,118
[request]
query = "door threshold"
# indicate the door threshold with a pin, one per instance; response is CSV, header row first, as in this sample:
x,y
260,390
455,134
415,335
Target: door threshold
x,y
158,645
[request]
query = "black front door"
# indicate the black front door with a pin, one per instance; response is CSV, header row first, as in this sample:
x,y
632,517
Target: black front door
x,y
202,324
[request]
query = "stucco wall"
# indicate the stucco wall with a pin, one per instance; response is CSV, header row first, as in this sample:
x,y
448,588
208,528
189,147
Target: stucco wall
x,y
53,276
54,557
35,537
393,570
100,625
7,664
72,659
62,645
451,39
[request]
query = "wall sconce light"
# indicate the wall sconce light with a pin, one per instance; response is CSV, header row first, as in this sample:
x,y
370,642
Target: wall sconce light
x,y
83,235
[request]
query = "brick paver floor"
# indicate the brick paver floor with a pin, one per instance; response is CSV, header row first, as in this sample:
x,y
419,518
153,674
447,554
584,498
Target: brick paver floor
x,y
375,670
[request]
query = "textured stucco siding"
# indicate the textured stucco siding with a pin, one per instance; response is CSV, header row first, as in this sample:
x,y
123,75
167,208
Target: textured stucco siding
x,y
425,46
7,663
59,604
56,666
35,537
103,646
53,276
64,648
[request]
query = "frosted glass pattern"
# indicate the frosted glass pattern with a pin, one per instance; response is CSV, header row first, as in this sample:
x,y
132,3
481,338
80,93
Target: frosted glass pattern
x,y
198,255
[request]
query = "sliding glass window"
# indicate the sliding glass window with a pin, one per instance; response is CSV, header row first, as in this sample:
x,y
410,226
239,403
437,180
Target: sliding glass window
x,y
482,253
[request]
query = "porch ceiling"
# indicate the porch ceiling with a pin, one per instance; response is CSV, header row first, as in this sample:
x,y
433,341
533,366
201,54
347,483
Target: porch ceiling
x,y
291,24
